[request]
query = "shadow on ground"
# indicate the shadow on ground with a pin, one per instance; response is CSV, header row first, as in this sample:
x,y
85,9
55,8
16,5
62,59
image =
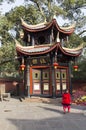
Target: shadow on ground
x,y
65,122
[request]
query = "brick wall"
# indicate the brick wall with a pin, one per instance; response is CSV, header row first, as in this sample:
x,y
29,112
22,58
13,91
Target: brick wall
x,y
11,85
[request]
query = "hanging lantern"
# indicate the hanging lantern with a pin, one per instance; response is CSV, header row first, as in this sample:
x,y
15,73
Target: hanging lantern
x,y
22,67
75,67
55,64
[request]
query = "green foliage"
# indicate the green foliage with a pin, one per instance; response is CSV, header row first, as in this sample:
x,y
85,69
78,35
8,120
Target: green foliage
x,y
74,41
32,15
81,73
8,65
84,38
15,14
73,9
81,62
4,28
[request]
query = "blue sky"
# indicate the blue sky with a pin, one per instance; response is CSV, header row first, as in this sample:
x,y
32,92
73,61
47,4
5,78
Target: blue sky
x,y
5,7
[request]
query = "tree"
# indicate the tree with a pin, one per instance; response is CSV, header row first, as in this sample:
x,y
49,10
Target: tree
x,y
37,11
8,64
81,73
4,28
70,9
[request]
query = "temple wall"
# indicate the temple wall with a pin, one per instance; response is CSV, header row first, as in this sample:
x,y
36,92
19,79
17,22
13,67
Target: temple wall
x,y
11,85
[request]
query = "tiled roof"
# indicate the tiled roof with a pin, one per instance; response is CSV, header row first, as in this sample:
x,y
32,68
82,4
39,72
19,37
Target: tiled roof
x,y
43,49
46,25
74,50
31,50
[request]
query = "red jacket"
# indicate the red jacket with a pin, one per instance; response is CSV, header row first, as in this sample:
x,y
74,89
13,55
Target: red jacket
x,y
66,98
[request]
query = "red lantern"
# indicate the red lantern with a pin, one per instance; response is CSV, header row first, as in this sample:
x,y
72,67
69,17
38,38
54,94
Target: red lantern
x,y
75,67
22,67
55,64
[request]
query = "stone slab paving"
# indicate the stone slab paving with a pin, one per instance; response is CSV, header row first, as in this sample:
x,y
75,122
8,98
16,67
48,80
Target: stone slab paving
x,y
33,114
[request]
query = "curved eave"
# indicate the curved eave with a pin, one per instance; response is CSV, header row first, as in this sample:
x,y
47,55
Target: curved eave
x,y
27,28
37,27
24,52
40,50
67,30
71,52
45,26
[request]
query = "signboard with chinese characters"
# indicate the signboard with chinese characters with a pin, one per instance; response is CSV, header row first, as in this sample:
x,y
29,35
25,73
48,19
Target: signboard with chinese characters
x,y
43,60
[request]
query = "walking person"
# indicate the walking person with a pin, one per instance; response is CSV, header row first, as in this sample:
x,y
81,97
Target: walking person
x,y
66,101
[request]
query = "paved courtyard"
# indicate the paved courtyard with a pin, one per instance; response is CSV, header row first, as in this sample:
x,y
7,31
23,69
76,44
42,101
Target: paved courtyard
x,y
34,114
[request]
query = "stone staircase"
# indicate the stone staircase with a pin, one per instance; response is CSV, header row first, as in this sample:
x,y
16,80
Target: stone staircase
x,y
42,100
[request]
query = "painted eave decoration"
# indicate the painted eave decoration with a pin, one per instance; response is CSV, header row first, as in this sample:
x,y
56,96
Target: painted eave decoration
x,y
47,25
44,49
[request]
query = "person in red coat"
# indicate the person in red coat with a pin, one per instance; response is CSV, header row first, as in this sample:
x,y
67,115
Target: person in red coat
x,y
66,101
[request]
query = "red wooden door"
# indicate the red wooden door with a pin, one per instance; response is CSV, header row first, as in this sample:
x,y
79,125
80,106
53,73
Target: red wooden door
x,y
45,81
62,80
41,81
36,77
